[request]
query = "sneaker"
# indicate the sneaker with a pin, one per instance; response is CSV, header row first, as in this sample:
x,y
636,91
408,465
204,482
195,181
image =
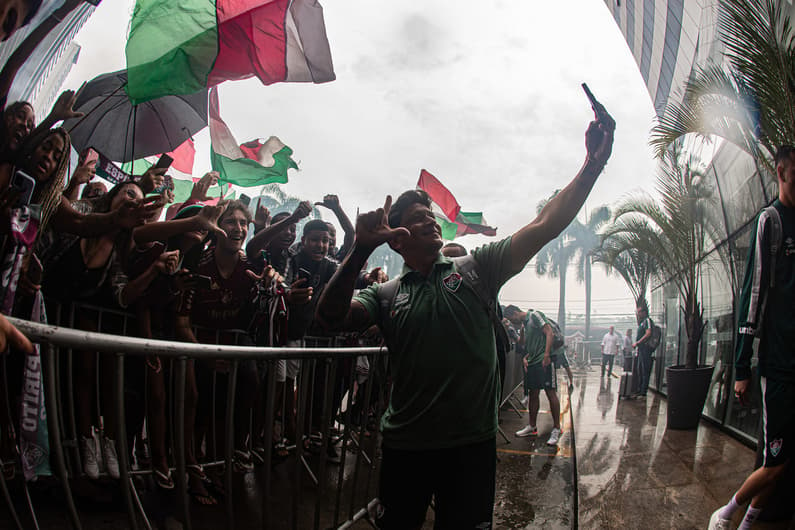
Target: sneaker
x,y
110,458
525,401
554,436
716,522
88,453
527,431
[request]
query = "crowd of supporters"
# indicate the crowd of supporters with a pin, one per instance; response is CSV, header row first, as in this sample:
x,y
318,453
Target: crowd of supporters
x,y
197,277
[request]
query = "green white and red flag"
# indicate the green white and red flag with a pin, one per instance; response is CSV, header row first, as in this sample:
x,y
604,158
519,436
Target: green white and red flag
x,y
250,164
183,46
453,221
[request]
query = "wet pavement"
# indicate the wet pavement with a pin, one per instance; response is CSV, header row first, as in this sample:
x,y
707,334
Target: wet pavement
x,y
634,473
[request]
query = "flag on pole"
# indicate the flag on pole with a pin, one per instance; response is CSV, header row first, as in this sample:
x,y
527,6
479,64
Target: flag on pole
x,y
453,221
252,164
182,46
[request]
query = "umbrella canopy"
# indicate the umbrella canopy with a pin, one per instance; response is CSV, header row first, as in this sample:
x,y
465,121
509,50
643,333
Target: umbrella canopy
x,y
121,131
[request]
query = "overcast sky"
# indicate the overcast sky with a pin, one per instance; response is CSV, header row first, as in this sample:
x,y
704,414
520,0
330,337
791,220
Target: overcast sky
x,y
486,99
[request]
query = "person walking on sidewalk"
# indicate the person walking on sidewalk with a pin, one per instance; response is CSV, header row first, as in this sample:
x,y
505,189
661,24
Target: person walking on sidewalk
x,y
611,344
539,370
767,310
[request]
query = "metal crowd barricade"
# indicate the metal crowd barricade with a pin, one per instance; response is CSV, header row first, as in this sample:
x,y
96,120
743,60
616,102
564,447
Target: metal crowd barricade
x,y
333,496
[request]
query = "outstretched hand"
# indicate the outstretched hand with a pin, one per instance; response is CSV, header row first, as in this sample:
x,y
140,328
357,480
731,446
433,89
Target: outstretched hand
x,y
372,228
63,108
133,213
152,179
207,219
203,185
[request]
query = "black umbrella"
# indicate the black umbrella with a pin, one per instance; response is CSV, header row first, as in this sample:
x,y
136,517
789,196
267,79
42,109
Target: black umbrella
x,y
123,132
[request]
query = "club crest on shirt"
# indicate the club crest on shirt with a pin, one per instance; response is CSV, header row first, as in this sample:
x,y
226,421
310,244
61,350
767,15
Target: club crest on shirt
x,y
775,446
452,282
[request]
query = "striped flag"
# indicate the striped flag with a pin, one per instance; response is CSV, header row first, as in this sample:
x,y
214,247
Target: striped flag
x,y
252,164
182,46
453,221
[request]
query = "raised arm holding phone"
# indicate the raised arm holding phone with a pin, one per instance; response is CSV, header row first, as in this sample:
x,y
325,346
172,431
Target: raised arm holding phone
x,y
423,421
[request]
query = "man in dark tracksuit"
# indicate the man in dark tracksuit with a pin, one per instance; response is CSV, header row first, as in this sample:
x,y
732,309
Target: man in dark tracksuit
x,y
767,310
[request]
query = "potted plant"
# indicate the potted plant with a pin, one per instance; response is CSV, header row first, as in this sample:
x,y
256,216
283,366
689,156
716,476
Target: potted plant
x,y
674,231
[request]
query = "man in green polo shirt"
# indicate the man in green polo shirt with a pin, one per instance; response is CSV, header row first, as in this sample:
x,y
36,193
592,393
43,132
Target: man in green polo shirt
x,y
440,425
539,365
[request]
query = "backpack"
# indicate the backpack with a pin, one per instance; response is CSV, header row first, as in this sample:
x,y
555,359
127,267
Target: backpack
x,y
656,336
776,235
468,268
558,341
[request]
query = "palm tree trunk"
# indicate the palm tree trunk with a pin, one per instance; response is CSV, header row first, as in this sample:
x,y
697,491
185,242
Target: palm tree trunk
x,y
694,327
562,301
587,297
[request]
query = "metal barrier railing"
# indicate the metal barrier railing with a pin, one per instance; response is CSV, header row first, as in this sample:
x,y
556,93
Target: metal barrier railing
x,y
324,386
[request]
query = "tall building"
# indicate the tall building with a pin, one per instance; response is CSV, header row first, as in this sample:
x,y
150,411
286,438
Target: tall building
x,y
33,75
49,90
668,38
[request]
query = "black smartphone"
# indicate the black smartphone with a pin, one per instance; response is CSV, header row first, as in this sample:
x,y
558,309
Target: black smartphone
x,y
164,162
24,184
595,105
245,199
202,282
304,274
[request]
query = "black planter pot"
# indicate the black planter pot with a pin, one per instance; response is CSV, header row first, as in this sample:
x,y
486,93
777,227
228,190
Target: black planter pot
x,y
687,392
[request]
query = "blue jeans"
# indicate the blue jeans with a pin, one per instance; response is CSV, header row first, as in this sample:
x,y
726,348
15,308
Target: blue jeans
x,y
644,367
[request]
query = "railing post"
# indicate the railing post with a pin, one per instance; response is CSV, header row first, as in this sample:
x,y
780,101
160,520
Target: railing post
x,y
121,442
180,445
270,402
56,447
230,443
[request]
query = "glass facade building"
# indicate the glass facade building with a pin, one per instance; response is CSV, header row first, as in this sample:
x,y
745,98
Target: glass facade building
x,y
668,38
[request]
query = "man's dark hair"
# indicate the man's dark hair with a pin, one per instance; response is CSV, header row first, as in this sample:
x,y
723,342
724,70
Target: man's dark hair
x,y
783,153
315,225
510,310
460,248
406,199
279,216
33,8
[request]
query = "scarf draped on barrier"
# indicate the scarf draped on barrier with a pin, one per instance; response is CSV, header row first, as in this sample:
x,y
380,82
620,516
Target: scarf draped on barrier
x,y
33,440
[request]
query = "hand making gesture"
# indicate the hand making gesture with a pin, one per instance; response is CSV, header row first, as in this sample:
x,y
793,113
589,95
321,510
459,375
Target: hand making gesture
x,y
372,228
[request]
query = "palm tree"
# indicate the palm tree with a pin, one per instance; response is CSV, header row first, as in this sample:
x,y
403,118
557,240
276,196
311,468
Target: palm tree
x,y
276,200
752,103
585,240
634,266
553,261
675,231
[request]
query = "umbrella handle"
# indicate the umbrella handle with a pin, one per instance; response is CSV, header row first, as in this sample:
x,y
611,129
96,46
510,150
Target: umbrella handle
x,y
87,114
